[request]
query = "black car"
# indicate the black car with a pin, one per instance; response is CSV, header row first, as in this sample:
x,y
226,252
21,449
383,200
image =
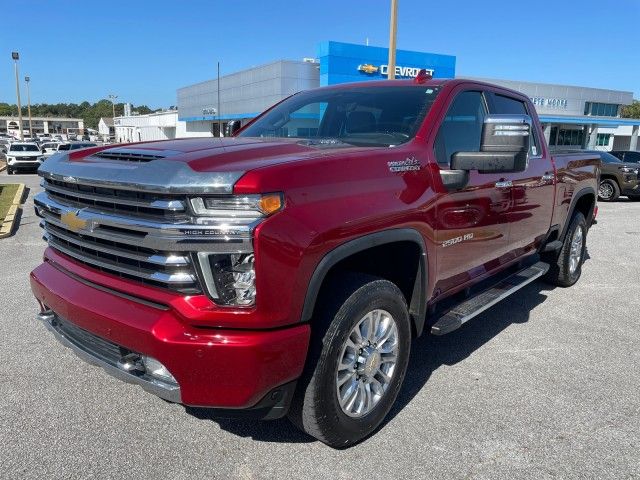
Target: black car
x,y
627,156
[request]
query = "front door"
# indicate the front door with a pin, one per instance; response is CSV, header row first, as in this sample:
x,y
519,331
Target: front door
x,y
471,224
533,190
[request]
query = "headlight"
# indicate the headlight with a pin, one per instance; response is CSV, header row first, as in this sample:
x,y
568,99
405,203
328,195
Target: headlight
x,y
238,206
626,169
10,160
230,278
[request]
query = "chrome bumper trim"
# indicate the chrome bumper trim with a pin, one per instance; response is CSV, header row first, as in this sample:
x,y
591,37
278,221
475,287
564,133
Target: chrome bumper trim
x,y
161,389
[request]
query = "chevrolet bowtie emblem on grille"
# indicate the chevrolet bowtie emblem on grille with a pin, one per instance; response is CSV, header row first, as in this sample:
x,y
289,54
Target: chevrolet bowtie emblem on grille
x,y
71,220
368,68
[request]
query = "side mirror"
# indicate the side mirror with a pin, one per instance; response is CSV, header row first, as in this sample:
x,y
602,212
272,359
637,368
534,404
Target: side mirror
x,y
232,128
504,146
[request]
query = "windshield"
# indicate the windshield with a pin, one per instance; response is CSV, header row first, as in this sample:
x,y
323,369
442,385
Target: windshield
x,y
24,148
608,158
370,116
64,146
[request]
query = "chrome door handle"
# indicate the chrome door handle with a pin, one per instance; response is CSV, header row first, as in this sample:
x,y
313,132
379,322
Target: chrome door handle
x,y
504,184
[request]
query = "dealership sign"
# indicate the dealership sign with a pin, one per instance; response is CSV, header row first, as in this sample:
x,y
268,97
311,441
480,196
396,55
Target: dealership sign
x,y
408,72
559,103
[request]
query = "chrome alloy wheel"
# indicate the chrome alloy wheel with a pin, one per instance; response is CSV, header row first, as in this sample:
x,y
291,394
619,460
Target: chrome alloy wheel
x,y
605,190
575,255
367,363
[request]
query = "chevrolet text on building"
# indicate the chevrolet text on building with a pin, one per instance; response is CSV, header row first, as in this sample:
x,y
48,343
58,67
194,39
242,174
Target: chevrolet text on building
x,y
406,72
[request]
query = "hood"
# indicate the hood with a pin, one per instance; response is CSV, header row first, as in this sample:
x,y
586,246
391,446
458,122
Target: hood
x,y
202,165
224,154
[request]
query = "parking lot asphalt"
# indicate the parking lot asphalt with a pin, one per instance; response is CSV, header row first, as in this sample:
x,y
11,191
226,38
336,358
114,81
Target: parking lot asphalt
x,y
544,385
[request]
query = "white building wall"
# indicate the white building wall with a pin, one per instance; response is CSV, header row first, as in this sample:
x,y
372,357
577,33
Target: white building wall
x,y
158,126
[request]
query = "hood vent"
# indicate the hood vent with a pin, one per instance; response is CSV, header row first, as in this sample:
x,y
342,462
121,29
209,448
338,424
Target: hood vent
x,y
130,155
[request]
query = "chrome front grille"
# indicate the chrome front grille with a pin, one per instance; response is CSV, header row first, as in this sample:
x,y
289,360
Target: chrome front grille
x,y
114,248
128,202
133,219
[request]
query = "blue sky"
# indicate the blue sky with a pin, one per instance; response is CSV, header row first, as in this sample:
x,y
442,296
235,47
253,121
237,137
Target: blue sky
x,y
144,50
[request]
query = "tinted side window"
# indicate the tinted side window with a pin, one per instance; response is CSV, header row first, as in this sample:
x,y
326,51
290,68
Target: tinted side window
x,y
632,157
506,105
461,128
511,106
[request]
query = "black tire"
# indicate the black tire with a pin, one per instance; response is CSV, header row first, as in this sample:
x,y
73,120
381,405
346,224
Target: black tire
x,y
608,185
560,273
315,407
9,171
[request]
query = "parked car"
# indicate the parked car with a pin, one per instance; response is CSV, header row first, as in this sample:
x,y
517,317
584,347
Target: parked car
x,y
23,156
4,145
627,156
49,148
74,145
287,269
618,178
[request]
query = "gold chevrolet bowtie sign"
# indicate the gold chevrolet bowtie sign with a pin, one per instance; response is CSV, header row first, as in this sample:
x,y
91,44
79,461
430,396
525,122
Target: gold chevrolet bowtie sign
x,y
71,220
368,68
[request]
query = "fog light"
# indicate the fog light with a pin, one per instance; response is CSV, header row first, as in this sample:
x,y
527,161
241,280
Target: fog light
x,y
157,370
230,279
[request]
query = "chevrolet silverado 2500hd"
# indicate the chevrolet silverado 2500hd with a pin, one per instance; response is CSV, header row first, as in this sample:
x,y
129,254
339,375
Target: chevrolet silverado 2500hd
x,y
286,269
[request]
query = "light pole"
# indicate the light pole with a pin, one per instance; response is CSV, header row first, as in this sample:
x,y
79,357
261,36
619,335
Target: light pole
x,y
219,109
27,80
393,27
113,104
16,57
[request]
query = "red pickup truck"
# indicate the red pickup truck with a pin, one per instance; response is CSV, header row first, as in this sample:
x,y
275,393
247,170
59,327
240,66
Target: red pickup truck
x,y
286,269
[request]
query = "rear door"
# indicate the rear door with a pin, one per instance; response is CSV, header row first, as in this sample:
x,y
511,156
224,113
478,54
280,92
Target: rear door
x,y
529,217
471,222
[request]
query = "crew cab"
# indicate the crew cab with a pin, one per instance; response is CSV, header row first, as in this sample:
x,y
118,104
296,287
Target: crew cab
x,y
23,156
286,269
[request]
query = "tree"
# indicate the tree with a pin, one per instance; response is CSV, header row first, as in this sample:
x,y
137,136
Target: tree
x,y
631,111
88,112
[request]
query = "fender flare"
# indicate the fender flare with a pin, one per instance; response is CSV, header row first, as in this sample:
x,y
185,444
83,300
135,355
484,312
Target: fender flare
x,y
418,303
572,207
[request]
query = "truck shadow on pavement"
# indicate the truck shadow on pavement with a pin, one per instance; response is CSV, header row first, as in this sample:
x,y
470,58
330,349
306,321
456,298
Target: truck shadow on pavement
x,y
428,353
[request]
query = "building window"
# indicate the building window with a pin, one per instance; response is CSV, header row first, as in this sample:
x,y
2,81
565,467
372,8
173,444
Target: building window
x,y
601,109
564,137
602,139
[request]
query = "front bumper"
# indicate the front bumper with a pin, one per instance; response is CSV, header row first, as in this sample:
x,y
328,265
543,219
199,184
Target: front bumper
x,y
218,368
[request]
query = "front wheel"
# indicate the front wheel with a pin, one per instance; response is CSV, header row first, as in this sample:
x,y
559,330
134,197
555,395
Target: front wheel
x,y
567,268
356,364
608,191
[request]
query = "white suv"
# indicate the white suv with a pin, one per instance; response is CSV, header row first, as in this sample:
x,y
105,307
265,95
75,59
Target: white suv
x,y
23,156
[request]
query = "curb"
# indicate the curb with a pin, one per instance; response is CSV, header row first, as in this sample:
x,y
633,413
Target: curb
x,y
7,226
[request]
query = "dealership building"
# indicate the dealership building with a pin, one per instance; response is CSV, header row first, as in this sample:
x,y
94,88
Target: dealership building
x,y
572,116
41,126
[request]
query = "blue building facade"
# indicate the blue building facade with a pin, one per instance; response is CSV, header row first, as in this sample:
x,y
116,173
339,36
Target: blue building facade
x,y
347,62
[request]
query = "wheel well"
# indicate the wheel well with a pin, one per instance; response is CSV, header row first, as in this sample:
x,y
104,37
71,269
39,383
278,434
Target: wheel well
x,y
608,177
399,262
585,205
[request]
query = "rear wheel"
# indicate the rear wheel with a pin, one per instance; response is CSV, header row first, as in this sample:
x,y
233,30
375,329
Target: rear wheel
x,y
356,364
566,269
608,191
